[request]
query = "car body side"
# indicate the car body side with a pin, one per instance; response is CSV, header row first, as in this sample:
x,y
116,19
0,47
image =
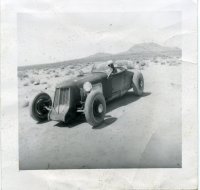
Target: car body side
x,y
112,86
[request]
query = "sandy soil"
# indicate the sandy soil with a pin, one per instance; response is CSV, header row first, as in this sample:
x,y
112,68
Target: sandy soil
x,y
137,132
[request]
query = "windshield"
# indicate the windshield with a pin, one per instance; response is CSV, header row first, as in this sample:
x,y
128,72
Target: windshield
x,y
101,67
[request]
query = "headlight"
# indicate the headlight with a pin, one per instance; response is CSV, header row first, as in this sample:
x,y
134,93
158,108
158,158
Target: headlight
x,y
87,86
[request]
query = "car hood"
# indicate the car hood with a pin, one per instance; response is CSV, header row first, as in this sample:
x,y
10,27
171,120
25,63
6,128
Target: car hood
x,y
80,80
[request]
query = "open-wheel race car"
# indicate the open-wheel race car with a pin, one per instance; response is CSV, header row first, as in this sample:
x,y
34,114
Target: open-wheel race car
x,y
87,93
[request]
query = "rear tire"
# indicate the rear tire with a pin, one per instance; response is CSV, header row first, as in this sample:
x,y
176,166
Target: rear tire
x,y
95,108
138,83
37,108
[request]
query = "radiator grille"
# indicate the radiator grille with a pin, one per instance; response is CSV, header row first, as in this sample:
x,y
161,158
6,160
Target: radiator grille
x,y
61,99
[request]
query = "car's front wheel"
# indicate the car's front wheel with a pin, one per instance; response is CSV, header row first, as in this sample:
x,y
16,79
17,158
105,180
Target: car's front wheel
x,y
95,108
40,106
138,83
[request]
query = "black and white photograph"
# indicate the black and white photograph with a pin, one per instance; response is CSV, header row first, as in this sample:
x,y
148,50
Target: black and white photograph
x,y
99,95
99,90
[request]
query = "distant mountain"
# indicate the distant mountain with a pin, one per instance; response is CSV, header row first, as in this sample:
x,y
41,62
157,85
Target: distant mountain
x,y
100,54
149,47
138,51
142,49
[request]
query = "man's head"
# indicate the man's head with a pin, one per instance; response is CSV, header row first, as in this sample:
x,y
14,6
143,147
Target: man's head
x,y
111,64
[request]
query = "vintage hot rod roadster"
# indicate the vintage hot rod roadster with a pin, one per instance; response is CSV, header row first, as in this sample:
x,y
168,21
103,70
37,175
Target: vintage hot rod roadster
x,y
87,93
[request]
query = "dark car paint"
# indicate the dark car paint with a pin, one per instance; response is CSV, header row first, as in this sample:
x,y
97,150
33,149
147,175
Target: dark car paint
x,y
80,80
113,86
93,78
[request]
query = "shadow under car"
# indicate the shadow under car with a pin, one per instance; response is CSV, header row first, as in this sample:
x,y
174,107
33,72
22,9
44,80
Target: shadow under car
x,y
112,105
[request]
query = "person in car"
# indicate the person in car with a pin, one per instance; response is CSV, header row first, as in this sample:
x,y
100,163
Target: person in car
x,y
111,65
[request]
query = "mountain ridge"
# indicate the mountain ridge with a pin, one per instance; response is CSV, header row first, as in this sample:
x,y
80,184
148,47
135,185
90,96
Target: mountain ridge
x,y
137,51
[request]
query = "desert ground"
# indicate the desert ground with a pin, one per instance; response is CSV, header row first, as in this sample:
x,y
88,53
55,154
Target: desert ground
x,y
138,132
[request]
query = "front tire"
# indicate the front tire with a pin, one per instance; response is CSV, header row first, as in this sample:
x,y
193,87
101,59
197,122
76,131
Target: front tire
x,y
95,108
38,106
138,83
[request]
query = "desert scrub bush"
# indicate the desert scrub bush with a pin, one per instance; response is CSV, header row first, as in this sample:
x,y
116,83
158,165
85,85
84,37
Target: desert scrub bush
x,y
72,67
48,72
80,73
22,75
47,86
69,72
43,82
35,72
35,81
25,84
146,64
32,80
175,63
87,64
56,75
25,103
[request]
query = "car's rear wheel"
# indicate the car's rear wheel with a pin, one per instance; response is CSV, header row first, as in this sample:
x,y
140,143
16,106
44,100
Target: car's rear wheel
x,y
40,106
138,83
95,108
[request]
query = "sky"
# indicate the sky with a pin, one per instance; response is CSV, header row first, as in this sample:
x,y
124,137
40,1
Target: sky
x,y
48,38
